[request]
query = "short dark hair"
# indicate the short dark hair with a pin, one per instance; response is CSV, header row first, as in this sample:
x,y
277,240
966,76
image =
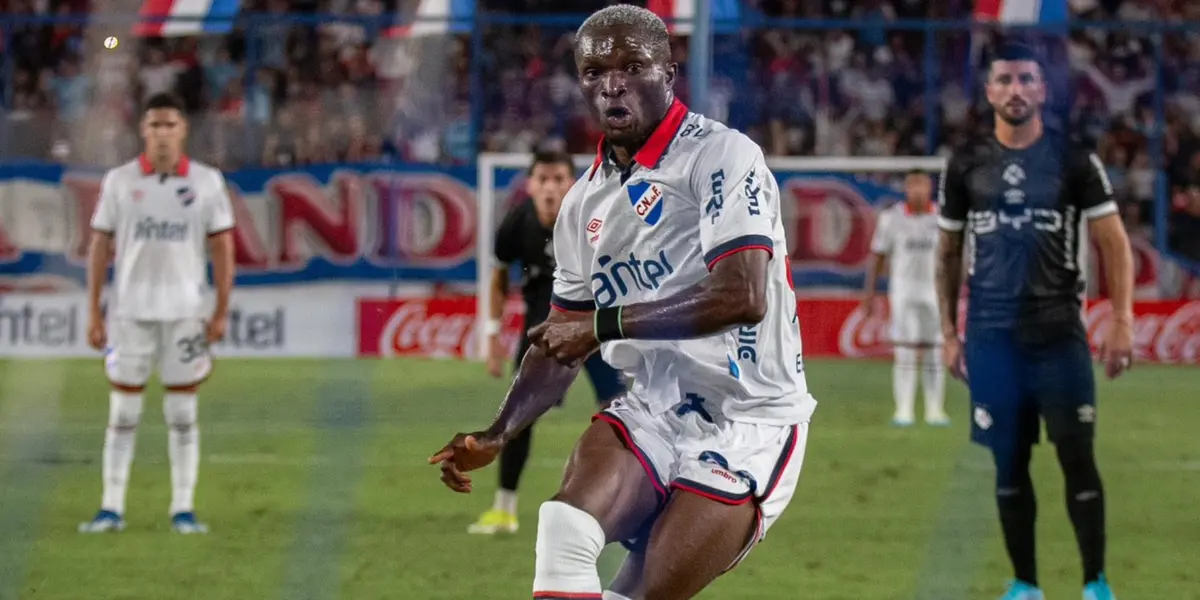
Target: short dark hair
x,y
638,20
164,100
551,157
915,171
1015,51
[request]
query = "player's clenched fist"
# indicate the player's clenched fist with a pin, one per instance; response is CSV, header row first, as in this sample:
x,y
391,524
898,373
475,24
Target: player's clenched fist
x,y
568,337
466,452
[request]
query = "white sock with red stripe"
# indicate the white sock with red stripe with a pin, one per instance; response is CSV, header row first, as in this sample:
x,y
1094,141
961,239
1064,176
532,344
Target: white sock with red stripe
x,y
569,542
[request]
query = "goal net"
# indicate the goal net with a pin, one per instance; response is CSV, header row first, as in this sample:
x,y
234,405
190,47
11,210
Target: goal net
x,y
828,206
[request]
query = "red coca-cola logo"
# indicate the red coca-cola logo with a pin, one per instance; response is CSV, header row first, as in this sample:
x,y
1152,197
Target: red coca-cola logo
x,y
438,327
415,329
1165,332
862,336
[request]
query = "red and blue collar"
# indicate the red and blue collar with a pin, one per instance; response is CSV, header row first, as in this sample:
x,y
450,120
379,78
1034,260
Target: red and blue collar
x,y
181,168
654,148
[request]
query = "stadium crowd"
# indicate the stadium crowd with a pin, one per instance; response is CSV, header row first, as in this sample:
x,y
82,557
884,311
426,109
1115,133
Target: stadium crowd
x,y
278,93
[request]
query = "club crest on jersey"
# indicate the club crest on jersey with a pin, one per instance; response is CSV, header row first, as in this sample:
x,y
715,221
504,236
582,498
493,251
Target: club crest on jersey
x,y
185,195
647,200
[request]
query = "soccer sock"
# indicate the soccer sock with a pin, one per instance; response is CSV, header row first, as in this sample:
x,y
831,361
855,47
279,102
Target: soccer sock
x,y
904,381
505,502
1085,503
1018,510
512,462
933,382
569,542
183,448
124,412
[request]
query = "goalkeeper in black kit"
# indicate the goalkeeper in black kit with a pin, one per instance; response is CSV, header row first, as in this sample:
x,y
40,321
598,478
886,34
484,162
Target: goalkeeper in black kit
x,y
1016,208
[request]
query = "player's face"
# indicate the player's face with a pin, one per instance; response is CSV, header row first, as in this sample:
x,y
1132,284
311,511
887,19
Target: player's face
x,y
918,190
1016,90
163,131
627,90
547,185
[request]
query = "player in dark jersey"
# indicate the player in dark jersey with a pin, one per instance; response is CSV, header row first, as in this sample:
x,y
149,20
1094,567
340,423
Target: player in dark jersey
x,y
1020,200
525,237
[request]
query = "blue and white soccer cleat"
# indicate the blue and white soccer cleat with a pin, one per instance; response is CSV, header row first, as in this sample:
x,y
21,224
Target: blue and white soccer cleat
x,y
185,523
898,422
103,522
1019,590
1098,590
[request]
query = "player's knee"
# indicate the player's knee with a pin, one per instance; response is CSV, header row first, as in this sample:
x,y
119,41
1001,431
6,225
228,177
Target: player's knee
x,y
1076,456
125,410
179,410
569,541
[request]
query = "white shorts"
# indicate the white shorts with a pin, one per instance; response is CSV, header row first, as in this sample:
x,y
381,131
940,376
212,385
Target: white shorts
x,y
177,348
915,321
726,461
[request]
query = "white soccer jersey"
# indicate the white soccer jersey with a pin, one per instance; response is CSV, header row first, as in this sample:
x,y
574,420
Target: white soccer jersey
x,y
161,224
697,192
910,241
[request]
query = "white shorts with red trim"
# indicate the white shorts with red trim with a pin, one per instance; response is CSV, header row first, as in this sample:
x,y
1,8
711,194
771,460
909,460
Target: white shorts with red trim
x,y
176,349
688,449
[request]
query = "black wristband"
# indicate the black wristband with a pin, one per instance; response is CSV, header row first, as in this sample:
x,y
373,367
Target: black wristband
x,y
608,324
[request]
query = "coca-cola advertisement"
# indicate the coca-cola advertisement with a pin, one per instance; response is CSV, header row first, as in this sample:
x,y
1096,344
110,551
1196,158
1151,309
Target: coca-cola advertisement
x,y
1163,331
433,327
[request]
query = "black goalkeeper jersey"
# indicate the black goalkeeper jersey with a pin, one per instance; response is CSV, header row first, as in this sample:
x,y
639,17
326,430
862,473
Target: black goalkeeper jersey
x,y
523,239
1024,213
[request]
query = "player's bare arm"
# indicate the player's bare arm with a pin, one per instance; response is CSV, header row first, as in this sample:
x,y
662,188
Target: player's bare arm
x,y
221,246
733,294
539,384
1117,348
949,282
99,253
871,286
499,284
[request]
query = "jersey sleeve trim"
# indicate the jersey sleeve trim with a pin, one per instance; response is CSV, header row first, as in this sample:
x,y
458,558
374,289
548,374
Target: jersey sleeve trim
x,y
738,244
103,230
565,305
950,224
1101,210
219,231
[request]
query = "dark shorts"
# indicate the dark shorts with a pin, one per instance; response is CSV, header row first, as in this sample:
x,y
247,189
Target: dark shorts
x,y
606,381
1015,386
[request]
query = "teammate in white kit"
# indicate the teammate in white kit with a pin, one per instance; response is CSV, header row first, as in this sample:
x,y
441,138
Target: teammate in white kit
x,y
160,212
907,234
671,262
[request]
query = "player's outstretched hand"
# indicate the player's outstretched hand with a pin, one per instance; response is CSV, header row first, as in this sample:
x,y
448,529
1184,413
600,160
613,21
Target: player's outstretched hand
x,y
952,357
570,338
466,452
1116,352
97,336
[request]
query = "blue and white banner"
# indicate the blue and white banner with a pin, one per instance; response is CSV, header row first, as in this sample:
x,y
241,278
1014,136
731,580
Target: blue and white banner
x,y
415,225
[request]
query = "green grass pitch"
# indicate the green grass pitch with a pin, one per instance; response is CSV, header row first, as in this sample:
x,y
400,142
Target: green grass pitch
x,y
314,481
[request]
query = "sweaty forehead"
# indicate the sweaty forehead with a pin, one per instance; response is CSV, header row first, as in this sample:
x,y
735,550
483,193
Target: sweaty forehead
x,y
608,43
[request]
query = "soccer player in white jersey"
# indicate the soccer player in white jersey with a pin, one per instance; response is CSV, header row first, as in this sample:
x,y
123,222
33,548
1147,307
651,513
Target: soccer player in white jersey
x,y
671,261
906,237
159,213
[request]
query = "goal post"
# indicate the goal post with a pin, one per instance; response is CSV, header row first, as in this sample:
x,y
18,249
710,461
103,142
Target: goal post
x,y
500,173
